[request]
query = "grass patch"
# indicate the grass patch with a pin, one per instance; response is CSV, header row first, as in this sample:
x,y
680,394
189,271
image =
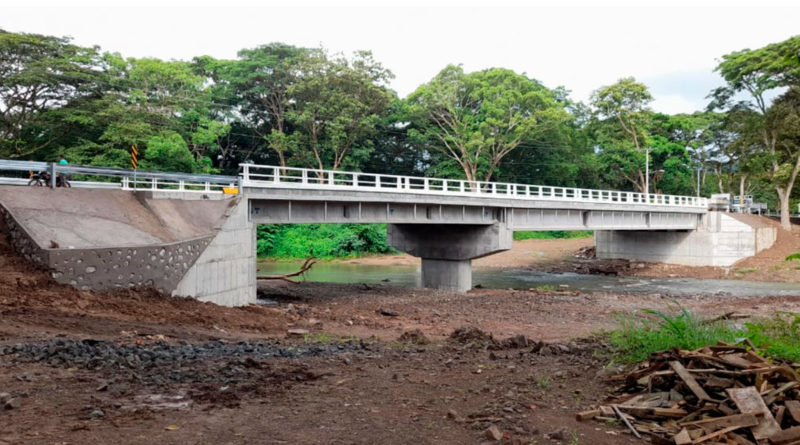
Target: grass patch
x,y
326,338
639,336
546,287
560,234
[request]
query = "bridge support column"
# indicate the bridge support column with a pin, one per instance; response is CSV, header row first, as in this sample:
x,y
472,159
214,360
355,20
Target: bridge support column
x,y
447,251
454,275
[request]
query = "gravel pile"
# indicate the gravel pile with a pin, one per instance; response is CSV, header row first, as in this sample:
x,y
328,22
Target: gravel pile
x,y
162,363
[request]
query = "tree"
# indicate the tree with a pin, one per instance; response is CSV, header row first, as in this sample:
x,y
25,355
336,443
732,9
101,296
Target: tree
x,y
759,72
336,106
476,119
168,152
39,73
625,103
260,79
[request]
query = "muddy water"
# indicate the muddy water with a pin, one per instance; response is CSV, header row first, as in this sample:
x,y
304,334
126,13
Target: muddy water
x,y
521,278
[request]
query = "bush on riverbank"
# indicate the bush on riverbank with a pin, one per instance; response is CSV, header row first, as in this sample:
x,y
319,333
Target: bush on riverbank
x,y
326,241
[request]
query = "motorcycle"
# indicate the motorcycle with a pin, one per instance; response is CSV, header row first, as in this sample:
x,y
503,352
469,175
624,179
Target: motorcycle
x,y
43,179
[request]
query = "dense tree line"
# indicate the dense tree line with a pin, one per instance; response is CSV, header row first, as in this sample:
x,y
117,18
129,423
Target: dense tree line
x,y
289,106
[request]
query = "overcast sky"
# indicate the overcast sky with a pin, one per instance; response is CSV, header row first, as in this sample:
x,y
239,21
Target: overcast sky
x,y
672,46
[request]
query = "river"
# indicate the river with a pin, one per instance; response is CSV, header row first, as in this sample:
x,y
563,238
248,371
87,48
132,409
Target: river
x,y
523,279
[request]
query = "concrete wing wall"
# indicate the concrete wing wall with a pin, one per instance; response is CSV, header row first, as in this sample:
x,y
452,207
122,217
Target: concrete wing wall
x,y
225,273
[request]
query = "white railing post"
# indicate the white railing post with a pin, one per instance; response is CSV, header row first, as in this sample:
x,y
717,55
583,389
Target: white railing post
x,y
276,175
494,188
330,178
399,182
461,186
180,185
304,176
425,184
246,172
154,183
355,179
444,185
208,186
378,181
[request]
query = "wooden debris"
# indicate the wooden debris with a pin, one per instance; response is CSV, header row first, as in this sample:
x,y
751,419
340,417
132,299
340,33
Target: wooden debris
x,y
286,277
720,394
793,408
786,436
626,422
689,380
683,438
587,415
748,400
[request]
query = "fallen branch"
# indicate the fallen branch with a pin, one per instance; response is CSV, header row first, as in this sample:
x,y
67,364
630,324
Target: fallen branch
x,y
286,277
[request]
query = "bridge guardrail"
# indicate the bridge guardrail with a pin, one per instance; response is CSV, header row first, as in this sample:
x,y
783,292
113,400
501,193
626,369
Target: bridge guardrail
x,y
275,176
125,179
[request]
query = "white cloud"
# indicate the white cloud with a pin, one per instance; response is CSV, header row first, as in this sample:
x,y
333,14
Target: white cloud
x,y
580,45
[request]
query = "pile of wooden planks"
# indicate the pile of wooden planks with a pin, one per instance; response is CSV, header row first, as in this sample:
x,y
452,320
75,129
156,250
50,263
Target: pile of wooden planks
x,y
723,394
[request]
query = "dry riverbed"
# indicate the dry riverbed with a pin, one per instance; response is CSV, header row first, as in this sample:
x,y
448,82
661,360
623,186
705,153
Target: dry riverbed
x,y
366,364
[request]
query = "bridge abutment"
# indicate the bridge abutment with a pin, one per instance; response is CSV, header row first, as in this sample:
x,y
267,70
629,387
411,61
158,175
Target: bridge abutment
x,y
721,240
447,251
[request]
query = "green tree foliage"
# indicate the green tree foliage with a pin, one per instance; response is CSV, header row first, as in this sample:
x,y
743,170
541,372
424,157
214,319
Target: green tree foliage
x,y
37,74
337,105
476,119
168,152
300,107
758,73
621,128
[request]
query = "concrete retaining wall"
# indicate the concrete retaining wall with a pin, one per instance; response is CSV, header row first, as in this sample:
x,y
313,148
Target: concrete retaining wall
x,y
218,266
159,266
225,273
721,240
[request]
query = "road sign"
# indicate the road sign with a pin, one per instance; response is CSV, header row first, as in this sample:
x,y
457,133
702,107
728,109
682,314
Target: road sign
x,y
134,157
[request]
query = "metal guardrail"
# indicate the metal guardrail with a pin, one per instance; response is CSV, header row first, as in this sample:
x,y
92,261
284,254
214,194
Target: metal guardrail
x,y
125,179
270,176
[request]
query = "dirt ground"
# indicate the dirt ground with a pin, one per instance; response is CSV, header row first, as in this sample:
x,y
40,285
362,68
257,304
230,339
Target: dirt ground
x,y
369,364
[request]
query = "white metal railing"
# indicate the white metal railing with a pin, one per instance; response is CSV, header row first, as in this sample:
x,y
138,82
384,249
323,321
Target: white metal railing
x,y
274,176
125,179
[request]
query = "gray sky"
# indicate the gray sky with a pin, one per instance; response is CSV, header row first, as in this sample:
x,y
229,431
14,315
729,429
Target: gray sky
x,y
672,46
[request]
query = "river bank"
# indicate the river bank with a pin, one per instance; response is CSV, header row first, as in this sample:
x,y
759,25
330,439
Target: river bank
x,y
577,256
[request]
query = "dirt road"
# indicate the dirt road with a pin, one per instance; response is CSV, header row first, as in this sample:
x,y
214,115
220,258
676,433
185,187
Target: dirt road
x,y
378,364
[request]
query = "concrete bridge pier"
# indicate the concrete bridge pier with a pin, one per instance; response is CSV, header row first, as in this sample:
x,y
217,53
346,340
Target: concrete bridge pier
x,y
447,250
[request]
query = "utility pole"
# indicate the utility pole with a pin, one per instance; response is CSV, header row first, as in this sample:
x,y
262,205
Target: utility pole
x,y
698,181
647,173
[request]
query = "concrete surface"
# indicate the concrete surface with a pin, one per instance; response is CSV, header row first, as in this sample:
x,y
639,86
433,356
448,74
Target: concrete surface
x,y
721,240
454,276
356,207
86,218
447,250
225,273
110,239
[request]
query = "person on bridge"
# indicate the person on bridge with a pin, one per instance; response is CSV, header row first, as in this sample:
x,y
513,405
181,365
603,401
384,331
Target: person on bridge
x,y
62,179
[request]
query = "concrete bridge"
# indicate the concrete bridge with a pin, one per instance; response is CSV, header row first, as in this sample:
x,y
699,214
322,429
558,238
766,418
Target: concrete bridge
x,y
445,222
